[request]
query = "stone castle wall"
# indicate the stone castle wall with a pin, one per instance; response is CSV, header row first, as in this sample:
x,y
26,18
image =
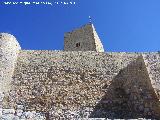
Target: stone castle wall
x,y
9,49
152,61
80,82
83,84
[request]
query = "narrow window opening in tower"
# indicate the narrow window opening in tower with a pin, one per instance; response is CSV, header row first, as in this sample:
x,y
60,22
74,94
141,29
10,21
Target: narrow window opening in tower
x,y
77,44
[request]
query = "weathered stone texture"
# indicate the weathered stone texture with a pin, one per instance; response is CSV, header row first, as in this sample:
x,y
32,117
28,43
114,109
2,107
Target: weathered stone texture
x,y
152,61
80,82
9,48
83,39
84,84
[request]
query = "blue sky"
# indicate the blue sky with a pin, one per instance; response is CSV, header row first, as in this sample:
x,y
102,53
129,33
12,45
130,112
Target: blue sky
x,y
122,25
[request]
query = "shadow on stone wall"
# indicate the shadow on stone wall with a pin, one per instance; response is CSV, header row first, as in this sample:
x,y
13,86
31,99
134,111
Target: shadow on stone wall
x,y
130,95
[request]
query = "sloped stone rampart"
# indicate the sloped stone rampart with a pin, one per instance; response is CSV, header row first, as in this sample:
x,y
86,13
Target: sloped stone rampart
x,y
152,61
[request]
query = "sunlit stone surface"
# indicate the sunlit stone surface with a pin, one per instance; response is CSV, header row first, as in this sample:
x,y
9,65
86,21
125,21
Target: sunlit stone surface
x,y
78,82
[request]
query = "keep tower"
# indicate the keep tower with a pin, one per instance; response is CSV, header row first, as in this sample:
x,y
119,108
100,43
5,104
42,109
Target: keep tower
x,y
83,39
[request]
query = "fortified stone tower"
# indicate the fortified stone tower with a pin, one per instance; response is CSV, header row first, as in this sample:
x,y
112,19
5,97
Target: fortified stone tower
x,y
9,48
83,39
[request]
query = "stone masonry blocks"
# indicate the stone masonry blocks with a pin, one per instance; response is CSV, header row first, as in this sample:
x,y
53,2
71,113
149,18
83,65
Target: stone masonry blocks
x,y
83,39
9,48
82,81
